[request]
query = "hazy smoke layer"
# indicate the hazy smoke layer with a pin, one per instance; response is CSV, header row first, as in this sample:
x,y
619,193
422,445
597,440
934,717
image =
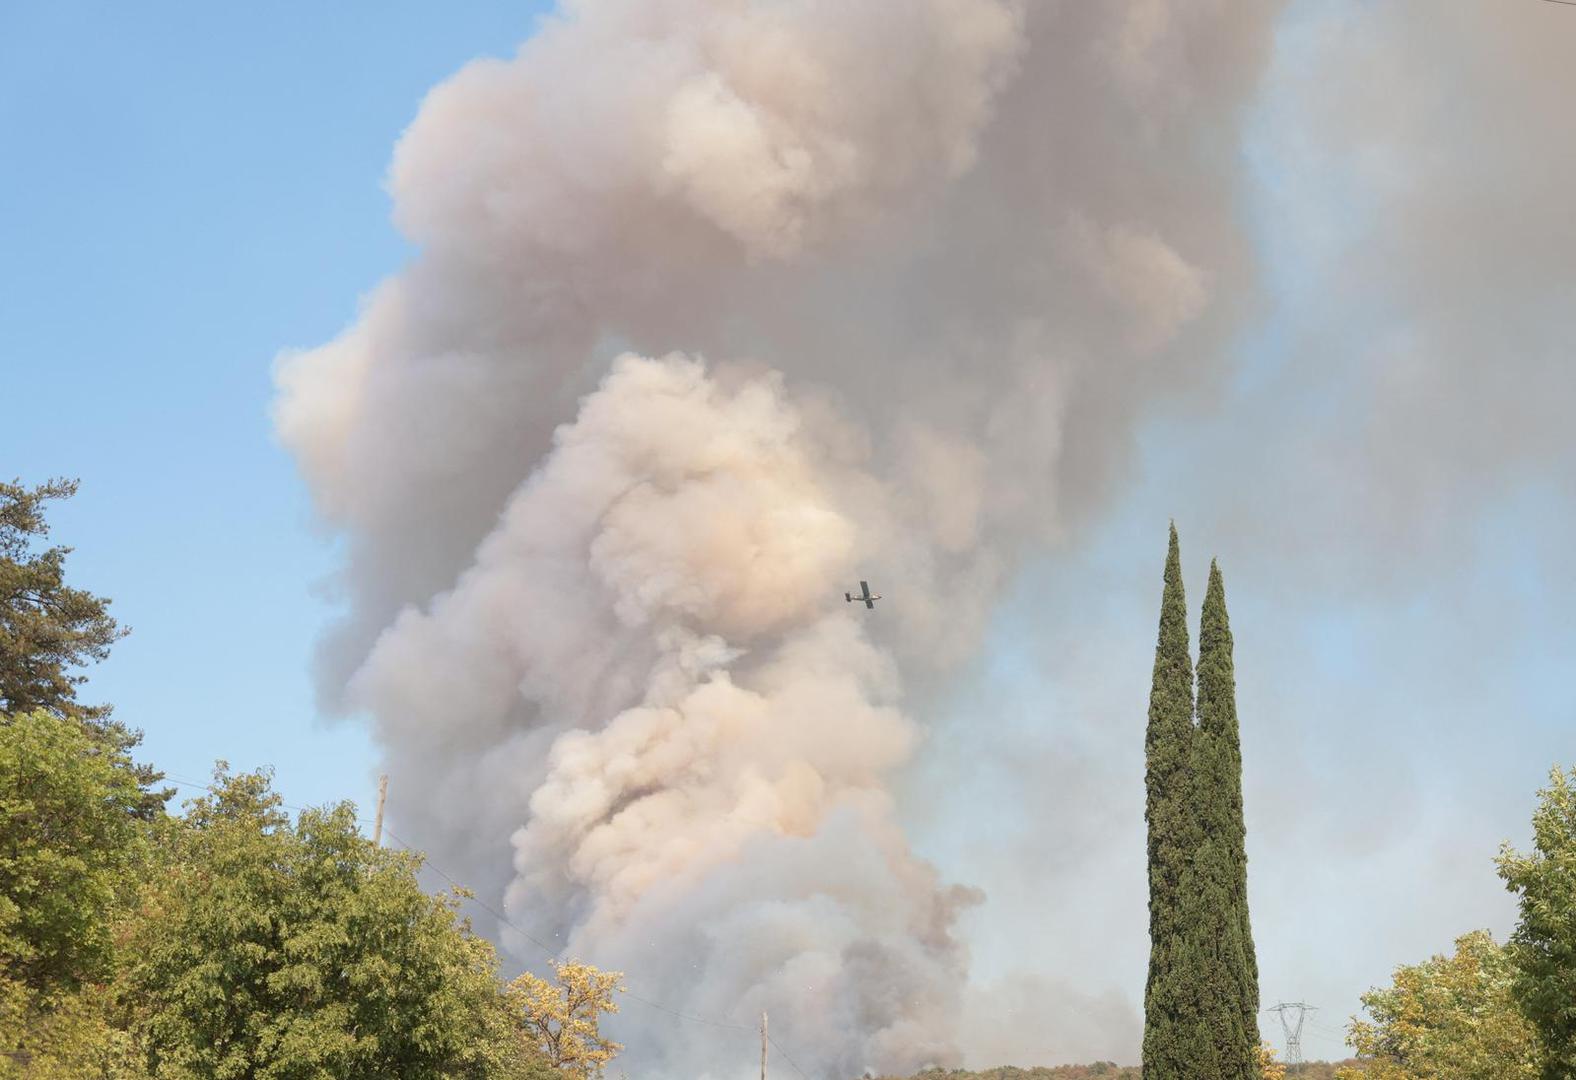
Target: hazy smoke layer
x,y
1428,249
938,256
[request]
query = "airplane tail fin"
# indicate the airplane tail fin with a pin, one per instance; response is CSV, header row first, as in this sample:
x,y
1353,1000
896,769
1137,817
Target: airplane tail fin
x,y
848,597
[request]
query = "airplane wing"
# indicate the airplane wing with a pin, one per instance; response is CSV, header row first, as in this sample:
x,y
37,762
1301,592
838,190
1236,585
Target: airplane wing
x,y
864,588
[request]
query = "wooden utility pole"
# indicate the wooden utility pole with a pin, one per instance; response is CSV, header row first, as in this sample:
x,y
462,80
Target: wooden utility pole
x,y
763,1044
377,822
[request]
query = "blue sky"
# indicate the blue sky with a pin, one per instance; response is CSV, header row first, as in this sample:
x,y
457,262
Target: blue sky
x,y
185,190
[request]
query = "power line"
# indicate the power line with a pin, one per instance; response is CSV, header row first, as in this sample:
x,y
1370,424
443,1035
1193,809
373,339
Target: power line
x,y
1326,1029
210,789
778,1047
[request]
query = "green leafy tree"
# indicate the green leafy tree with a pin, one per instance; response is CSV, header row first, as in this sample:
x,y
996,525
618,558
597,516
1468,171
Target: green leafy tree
x,y
1543,945
71,845
1220,937
271,951
68,837
49,630
73,1038
1173,1039
1448,1018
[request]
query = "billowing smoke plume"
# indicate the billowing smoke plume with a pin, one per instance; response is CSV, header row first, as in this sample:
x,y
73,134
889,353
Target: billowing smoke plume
x,y
720,306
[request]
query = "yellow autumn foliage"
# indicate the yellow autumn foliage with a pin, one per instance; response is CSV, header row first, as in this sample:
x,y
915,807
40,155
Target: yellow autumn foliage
x,y
1448,1018
561,1017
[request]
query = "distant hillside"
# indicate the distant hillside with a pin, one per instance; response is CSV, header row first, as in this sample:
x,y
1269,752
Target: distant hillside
x,y
1106,1070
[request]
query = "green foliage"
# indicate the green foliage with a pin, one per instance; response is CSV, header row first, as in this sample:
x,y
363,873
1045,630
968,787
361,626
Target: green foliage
x,y
1219,935
1171,1035
231,942
73,1037
68,837
1448,1018
1543,945
1201,1000
272,951
71,849
48,629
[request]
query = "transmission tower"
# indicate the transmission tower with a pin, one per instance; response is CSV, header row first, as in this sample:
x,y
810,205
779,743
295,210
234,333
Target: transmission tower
x,y
1292,1014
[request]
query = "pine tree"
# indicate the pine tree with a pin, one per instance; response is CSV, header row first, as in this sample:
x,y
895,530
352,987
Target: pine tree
x,y
49,630
1219,928
1172,1035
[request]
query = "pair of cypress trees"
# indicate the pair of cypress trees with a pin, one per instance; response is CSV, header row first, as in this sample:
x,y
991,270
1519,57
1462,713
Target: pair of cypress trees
x,y
1201,1001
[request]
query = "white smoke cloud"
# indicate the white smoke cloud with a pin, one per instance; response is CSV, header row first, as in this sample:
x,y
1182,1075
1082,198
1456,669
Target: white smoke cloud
x,y
939,258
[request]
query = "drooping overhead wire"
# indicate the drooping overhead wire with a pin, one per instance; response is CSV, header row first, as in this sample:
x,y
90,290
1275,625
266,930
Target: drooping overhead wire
x,y
778,1047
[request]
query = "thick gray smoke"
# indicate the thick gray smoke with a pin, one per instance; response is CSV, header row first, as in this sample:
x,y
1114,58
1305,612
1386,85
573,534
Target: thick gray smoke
x,y
1390,484
720,306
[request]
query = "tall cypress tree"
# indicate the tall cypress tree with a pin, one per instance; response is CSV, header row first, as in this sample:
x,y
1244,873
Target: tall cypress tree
x,y
1172,1036
1220,928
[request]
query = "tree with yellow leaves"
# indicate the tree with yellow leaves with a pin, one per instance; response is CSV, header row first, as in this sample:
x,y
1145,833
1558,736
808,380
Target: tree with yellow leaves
x,y
561,1017
1448,1018
1269,1068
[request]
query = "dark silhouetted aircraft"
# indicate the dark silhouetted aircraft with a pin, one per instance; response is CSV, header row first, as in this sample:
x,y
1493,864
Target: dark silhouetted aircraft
x,y
864,594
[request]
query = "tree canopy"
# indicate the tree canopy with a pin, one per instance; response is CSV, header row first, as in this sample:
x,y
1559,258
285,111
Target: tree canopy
x,y
1447,1018
562,1017
1172,1042
48,630
1544,942
229,941
1201,998
1220,937
233,941
73,844
272,949
67,839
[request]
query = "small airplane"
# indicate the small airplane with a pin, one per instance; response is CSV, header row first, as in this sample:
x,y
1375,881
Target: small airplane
x,y
864,594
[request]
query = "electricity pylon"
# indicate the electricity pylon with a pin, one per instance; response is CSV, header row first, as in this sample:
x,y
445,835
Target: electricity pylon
x,y
1292,1014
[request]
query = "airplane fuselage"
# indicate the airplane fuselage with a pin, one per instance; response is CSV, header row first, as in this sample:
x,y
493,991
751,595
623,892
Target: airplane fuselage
x,y
864,595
